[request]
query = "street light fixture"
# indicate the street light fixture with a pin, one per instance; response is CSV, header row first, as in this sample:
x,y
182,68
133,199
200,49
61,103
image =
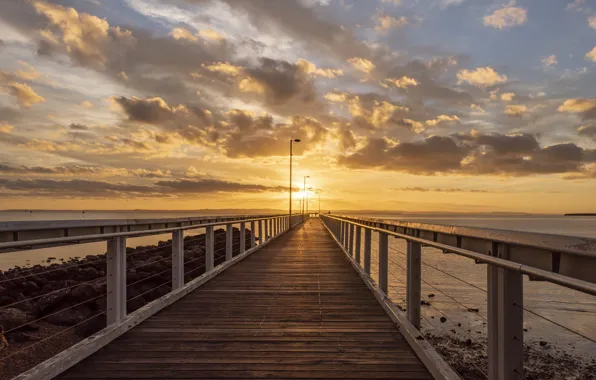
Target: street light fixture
x,y
290,211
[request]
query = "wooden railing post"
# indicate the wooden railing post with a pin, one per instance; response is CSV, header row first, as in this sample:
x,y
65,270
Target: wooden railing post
x,y
177,259
242,237
229,242
358,243
209,247
266,235
346,234
414,272
367,242
505,320
116,280
253,236
261,239
383,261
351,241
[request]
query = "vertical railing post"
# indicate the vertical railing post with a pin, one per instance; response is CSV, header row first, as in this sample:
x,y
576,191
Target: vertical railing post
x,y
340,238
351,241
229,242
358,243
177,259
253,236
242,237
266,236
383,261
346,234
116,280
367,242
209,249
261,240
505,320
414,273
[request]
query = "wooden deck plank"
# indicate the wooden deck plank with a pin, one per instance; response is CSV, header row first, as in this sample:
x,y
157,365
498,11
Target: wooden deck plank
x,y
293,310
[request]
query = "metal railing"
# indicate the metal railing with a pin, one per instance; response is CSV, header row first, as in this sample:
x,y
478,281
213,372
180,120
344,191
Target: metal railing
x,y
173,276
505,320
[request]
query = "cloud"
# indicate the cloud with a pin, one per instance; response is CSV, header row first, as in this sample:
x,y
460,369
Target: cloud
x,y
591,55
592,21
588,131
258,136
371,113
441,190
404,82
384,23
83,170
481,77
193,124
441,118
506,17
82,35
471,154
515,110
93,189
507,96
584,106
224,68
78,127
6,128
210,34
346,138
283,83
477,108
183,34
251,85
86,104
551,60
29,72
362,64
337,97
25,95
310,68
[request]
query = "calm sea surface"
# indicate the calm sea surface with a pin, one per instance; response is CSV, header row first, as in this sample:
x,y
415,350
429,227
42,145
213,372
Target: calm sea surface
x,y
463,287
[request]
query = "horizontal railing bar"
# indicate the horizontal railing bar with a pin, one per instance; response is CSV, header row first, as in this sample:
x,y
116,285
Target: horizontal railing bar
x,y
30,244
461,231
37,225
569,282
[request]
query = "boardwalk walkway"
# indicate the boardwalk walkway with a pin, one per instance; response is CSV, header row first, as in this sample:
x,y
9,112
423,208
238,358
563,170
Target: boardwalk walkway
x,y
295,309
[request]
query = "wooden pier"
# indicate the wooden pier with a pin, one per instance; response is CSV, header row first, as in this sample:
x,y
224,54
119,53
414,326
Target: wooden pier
x,y
294,309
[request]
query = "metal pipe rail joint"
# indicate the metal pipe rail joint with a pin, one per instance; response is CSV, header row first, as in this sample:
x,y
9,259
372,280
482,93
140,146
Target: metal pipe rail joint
x,y
504,281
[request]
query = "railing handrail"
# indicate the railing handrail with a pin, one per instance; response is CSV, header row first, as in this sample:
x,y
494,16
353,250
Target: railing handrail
x,y
33,225
566,281
544,241
71,240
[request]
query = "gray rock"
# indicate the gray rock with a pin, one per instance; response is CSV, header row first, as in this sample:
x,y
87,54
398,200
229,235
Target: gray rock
x,y
69,317
83,293
12,318
51,301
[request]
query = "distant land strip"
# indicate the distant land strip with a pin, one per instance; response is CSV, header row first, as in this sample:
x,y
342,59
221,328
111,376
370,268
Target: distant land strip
x,y
582,214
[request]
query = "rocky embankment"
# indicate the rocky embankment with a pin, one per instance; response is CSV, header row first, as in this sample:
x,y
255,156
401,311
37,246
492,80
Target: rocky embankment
x,y
47,308
545,362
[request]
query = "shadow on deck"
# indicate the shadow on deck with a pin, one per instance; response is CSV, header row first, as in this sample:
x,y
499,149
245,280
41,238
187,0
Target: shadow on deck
x,y
294,309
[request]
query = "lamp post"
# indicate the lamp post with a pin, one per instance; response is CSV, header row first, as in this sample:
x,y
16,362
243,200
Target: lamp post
x,y
305,204
319,194
290,210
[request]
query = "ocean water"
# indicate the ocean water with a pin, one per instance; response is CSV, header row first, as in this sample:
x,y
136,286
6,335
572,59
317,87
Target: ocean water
x,y
564,318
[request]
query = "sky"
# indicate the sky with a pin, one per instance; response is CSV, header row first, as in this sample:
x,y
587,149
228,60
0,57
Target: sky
x,y
406,105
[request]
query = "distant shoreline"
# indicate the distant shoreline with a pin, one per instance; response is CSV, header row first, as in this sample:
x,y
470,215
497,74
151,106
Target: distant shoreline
x,y
581,214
